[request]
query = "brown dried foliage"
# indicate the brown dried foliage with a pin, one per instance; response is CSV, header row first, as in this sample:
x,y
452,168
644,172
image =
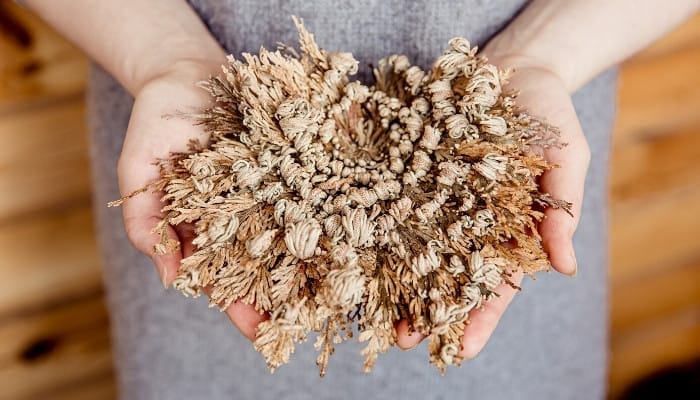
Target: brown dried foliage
x,y
330,204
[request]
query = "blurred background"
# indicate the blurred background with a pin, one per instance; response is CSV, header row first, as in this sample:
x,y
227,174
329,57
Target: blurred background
x,y
54,334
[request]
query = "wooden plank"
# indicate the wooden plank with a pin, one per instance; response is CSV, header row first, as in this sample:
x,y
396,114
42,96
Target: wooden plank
x,y
44,162
656,165
669,291
36,64
658,96
55,350
95,388
47,259
664,342
651,233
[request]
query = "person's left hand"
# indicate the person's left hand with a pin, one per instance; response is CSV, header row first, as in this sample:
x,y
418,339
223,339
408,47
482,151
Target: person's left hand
x,y
543,94
156,129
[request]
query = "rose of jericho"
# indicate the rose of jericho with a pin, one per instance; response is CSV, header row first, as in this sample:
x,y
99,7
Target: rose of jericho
x,y
333,206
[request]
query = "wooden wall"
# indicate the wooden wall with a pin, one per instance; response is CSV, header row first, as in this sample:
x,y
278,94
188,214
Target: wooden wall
x,y
655,210
53,323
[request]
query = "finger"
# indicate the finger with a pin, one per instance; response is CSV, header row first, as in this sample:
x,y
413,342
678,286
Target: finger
x,y
245,318
483,322
141,214
186,234
565,183
406,338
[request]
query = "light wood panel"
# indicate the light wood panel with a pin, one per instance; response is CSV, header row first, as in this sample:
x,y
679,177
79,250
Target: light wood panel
x,y
652,167
653,296
46,165
654,232
659,95
47,260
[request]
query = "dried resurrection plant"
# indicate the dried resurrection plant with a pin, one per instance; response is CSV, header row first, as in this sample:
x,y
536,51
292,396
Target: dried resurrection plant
x,y
332,205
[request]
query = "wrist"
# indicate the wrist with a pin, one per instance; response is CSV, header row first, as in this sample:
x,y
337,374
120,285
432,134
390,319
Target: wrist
x,y
189,60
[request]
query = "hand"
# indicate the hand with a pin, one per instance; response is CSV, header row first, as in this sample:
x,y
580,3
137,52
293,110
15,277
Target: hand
x,y
543,94
155,130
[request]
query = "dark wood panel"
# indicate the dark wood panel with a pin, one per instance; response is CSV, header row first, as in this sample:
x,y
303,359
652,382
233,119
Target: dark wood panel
x,y
54,350
37,65
671,340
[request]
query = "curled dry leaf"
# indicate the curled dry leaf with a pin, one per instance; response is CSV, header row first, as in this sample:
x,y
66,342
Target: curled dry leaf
x,y
332,205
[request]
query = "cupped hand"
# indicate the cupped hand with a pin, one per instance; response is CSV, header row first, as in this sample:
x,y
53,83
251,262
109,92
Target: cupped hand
x,y
542,94
157,127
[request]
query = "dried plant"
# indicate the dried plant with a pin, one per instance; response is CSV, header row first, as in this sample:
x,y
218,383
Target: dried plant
x,y
331,205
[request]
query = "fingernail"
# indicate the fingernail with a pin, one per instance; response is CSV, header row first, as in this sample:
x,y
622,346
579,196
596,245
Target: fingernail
x,y
573,258
409,348
165,277
163,272
412,334
469,350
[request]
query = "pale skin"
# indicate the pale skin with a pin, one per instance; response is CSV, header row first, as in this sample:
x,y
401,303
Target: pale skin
x,y
158,49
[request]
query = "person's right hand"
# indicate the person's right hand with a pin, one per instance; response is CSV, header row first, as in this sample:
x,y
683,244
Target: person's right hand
x,y
543,94
155,130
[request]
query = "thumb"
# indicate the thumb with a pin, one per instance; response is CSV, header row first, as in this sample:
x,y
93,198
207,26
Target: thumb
x,y
566,183
141,216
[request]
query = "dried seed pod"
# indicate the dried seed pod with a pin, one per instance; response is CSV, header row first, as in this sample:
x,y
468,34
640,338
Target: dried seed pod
x,y
456,266
345,288
258,245
220,229
301,238
494,125
491,166
484,87
358,228
428,261
457,126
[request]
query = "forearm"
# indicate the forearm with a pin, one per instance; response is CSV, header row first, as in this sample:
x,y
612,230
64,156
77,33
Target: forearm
x,y
134,40
578,39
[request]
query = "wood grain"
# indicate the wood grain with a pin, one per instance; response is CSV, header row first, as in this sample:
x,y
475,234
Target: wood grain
x,y
659,95
37,65
669,341
47,260
46,165
651,297
652,233
653,167
54,350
